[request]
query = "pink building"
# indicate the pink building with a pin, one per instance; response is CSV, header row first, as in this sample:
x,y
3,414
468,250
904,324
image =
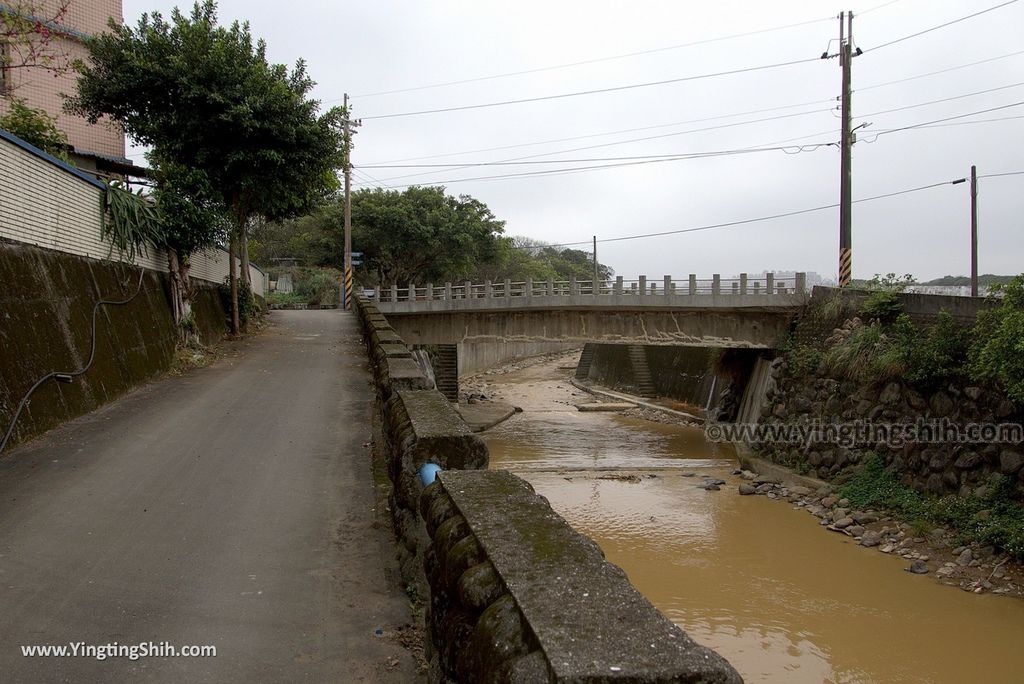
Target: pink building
x,y
98,148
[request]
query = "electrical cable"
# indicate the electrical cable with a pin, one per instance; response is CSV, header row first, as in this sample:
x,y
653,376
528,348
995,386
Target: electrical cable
x,y
935,28
598,91
69,375
596,60
744,221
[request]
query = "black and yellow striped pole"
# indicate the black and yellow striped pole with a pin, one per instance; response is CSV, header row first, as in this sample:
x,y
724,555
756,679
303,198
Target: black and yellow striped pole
x,y
845,266
348,286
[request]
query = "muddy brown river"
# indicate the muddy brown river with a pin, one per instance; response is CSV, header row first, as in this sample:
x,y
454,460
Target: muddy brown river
x,y
761,583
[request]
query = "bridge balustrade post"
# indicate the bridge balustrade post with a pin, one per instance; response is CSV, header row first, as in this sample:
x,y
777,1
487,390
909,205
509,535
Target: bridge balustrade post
x,y
693,283
801,283
668,285
468,294
642,285
394,292
528,289
430,292
769,283
447,292
573,286
508,289
618,285
488,290
757,287
412,292
550,287
716,284
743,283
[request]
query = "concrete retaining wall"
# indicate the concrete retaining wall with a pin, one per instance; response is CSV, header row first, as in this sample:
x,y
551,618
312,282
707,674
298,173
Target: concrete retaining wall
x,y
46,302
477,357
519,596
513,593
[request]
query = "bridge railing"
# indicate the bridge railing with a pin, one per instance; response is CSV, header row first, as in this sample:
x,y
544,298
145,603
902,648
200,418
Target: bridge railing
x,y
768,284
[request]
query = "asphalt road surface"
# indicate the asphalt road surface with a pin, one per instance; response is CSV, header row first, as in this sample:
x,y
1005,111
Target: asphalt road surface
x,y
230,507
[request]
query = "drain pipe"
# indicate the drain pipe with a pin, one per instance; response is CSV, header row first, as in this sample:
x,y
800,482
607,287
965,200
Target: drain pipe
x,y
428,473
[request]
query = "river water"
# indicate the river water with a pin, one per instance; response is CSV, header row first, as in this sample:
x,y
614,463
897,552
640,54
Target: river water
x,y
761,583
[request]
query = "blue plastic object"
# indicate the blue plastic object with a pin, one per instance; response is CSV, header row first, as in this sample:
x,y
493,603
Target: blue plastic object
x,y
428,472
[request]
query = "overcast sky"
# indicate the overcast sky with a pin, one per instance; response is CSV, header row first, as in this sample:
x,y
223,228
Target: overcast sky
x,y
367,48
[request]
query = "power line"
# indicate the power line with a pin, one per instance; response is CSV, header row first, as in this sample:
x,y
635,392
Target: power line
x,y
632,86
1000,175
964,123
590,147
791,149
596,60
936,28
516,160
608,133
940,71
949,118
945,99
758,219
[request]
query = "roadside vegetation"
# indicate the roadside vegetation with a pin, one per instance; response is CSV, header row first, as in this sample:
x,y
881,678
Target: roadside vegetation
x,y
879,342
993,519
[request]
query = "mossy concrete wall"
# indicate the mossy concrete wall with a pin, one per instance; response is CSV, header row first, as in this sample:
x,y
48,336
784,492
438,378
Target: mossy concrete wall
x,y
46,303
513,593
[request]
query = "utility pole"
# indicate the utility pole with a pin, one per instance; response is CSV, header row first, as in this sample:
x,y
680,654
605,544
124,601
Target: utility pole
x,y
846,170
974,231
595,265
346,160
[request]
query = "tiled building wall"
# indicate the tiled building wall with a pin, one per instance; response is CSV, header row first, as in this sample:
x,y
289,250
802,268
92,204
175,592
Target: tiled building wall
x,y
43,203
43,90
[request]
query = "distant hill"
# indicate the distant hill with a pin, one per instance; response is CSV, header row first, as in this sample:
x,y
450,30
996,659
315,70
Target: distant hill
x,y
983,280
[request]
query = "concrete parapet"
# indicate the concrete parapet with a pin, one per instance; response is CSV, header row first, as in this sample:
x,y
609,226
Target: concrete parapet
x,y
518,596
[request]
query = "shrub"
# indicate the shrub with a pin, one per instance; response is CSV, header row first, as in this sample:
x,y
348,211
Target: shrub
x,y
995,519
319,288
866,355
997,352
933,356
36,127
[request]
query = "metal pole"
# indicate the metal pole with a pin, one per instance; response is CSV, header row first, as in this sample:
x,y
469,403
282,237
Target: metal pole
x,y
846,172
595,266
974,231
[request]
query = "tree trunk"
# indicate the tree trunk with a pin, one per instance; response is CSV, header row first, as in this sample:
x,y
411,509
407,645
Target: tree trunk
x,y
181,293
243,244
236,325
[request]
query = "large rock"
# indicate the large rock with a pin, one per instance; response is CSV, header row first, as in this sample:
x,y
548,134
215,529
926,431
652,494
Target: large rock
x,y
1010,461
941,404
968,460
891,393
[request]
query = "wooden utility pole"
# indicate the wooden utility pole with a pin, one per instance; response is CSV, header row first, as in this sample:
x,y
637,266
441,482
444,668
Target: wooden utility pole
x,y
846,150
595,265
974,231
346,292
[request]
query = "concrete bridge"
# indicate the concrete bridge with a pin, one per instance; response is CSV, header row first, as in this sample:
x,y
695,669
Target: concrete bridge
x,y
716,312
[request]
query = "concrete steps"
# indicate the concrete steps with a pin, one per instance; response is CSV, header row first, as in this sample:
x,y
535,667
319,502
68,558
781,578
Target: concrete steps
x,y
641,371
446,371
586,359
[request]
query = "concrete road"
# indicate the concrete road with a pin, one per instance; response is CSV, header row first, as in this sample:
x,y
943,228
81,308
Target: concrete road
x,y
230,507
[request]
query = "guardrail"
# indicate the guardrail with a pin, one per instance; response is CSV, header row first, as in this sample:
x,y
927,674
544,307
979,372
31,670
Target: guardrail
x,y
641,287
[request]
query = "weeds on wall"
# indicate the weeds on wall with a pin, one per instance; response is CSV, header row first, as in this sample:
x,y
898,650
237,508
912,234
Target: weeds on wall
x,y
993,519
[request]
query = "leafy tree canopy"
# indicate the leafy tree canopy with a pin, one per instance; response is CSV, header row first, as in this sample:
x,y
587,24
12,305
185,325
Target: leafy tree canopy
x,y
205,98
36,127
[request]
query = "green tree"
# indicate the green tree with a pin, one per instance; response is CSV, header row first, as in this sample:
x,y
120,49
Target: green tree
x,y
204,97
422,234
997,351
36,127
